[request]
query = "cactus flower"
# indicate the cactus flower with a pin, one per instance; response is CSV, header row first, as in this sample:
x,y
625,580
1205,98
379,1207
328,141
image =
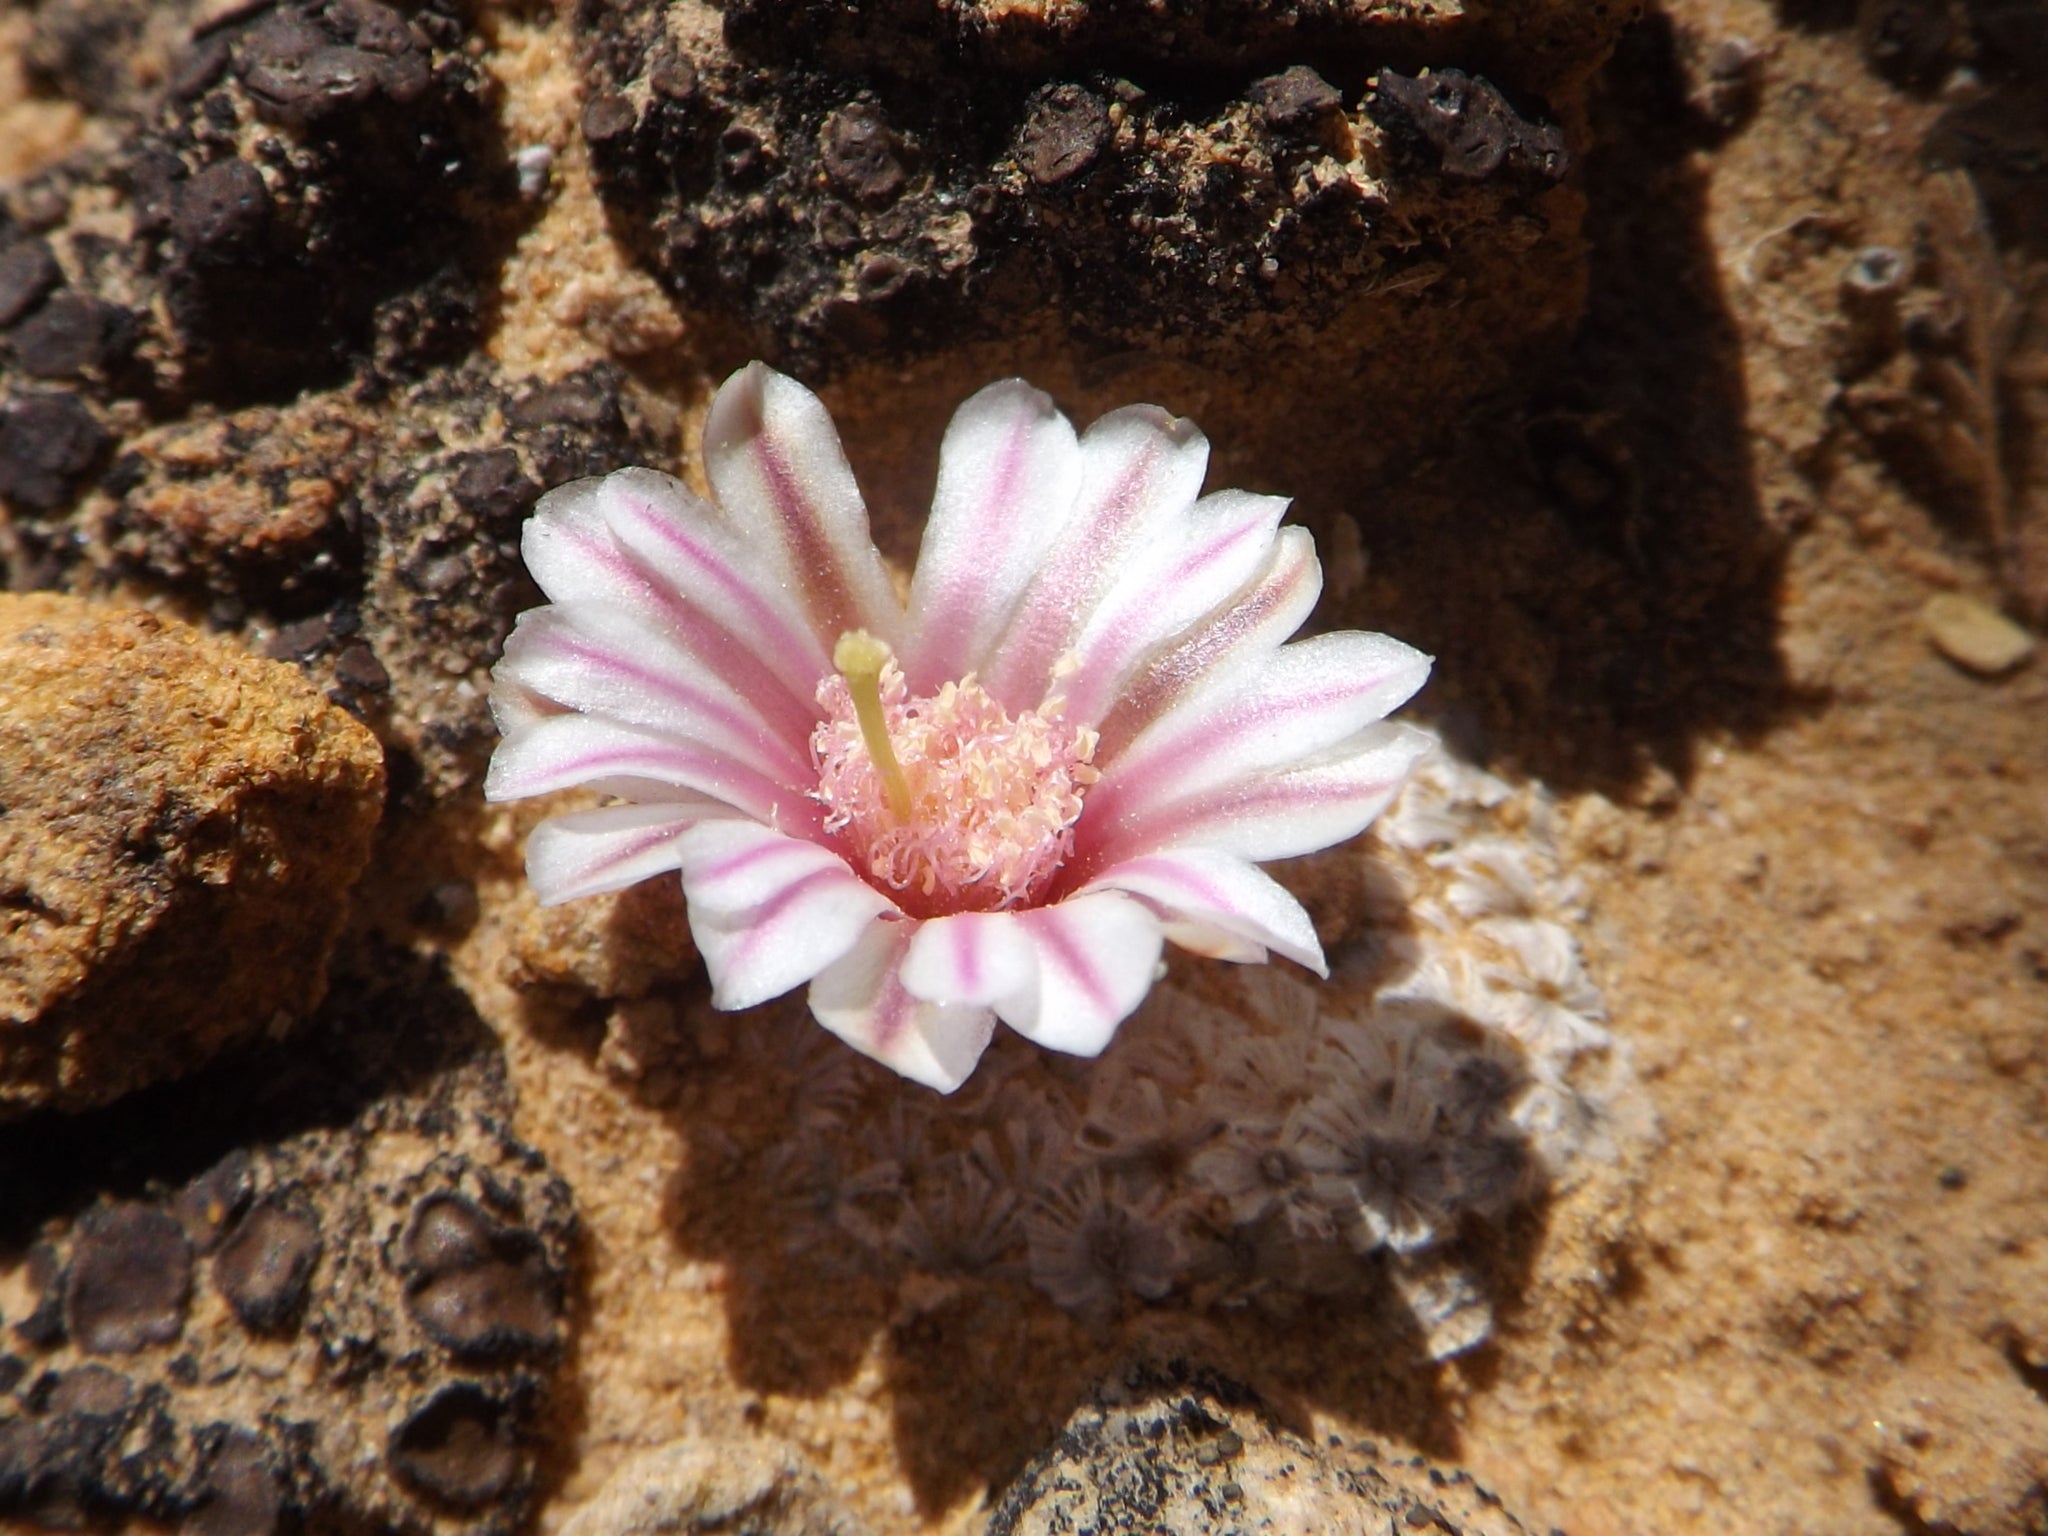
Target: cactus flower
x,y
1076,739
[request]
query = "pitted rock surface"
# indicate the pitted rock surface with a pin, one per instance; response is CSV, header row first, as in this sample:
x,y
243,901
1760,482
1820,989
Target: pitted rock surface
x,y
293,175
231,1332
893,180
1202,1458
180,824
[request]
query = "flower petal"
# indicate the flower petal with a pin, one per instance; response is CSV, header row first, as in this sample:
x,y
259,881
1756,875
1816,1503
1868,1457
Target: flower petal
x,y
581,751
769,912
1009,472
570,553
774,461
586,853
749,630
1244,632
972,957
1140,469
1270,816
1195,564
1211,890
1097,957
608,664
1305,698
861,998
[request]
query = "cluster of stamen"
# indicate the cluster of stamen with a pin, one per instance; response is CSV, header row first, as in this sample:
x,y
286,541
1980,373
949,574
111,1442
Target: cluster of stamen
x,y
946,800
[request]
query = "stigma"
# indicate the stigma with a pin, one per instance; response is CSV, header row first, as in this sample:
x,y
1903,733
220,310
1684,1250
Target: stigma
x,y
946,801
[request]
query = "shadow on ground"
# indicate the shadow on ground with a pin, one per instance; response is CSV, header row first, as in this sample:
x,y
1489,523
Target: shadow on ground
x,y
860,1222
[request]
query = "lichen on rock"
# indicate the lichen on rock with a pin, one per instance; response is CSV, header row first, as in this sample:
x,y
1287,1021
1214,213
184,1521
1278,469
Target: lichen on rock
x,y
1202,1456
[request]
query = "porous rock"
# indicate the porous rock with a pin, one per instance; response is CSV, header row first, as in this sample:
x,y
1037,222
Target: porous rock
x,y
292,178
242,1348
901,178
374,535
180,824
1201,1457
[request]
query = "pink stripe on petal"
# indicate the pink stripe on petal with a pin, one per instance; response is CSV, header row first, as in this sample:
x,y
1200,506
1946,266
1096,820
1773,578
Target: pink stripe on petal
x,y
1208,558
1216,890
862,999
1097,956
570,553
1247,629
1009,470
783,926
765,654
828,593
586,853
613,667
773,456
980,958
1140,467
1305,699
735,867
572,751
1271,816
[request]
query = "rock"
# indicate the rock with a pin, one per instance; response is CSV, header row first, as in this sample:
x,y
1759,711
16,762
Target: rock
x,y
128,1279
708,1485
49,442
292,1380
386,556
1202,1458
266,1263
28,271
263,258
929,175
479,1290
180,824
1297,99
1975,637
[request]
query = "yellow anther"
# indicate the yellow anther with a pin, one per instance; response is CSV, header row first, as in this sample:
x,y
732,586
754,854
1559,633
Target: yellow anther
x,y
860,657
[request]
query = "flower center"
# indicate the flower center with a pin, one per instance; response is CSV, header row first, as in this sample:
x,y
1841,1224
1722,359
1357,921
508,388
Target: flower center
x,y
946,800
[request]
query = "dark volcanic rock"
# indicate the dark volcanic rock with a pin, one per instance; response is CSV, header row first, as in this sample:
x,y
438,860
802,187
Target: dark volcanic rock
x,y
457,1446
896,179
365,1155
48,444
267,1262
129,1278
1464,126
478,1289
391,554
291,172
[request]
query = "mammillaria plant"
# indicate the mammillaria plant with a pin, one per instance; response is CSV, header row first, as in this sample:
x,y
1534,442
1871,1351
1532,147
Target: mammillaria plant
x,y
1077,738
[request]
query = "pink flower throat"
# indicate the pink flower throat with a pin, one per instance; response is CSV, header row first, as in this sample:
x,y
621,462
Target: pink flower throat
x,y
993,798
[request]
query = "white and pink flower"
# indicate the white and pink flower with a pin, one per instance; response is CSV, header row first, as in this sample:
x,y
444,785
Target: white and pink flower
x,y
1077,738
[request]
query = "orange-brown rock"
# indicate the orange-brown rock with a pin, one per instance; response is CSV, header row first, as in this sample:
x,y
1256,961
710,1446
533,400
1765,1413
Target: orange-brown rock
x,y
180,824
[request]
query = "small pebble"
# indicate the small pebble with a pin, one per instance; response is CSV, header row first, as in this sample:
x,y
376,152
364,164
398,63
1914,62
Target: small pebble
x,y
1975,637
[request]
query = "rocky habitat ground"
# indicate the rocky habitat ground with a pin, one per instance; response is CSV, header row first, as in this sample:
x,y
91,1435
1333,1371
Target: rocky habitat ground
x,y
1676,374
